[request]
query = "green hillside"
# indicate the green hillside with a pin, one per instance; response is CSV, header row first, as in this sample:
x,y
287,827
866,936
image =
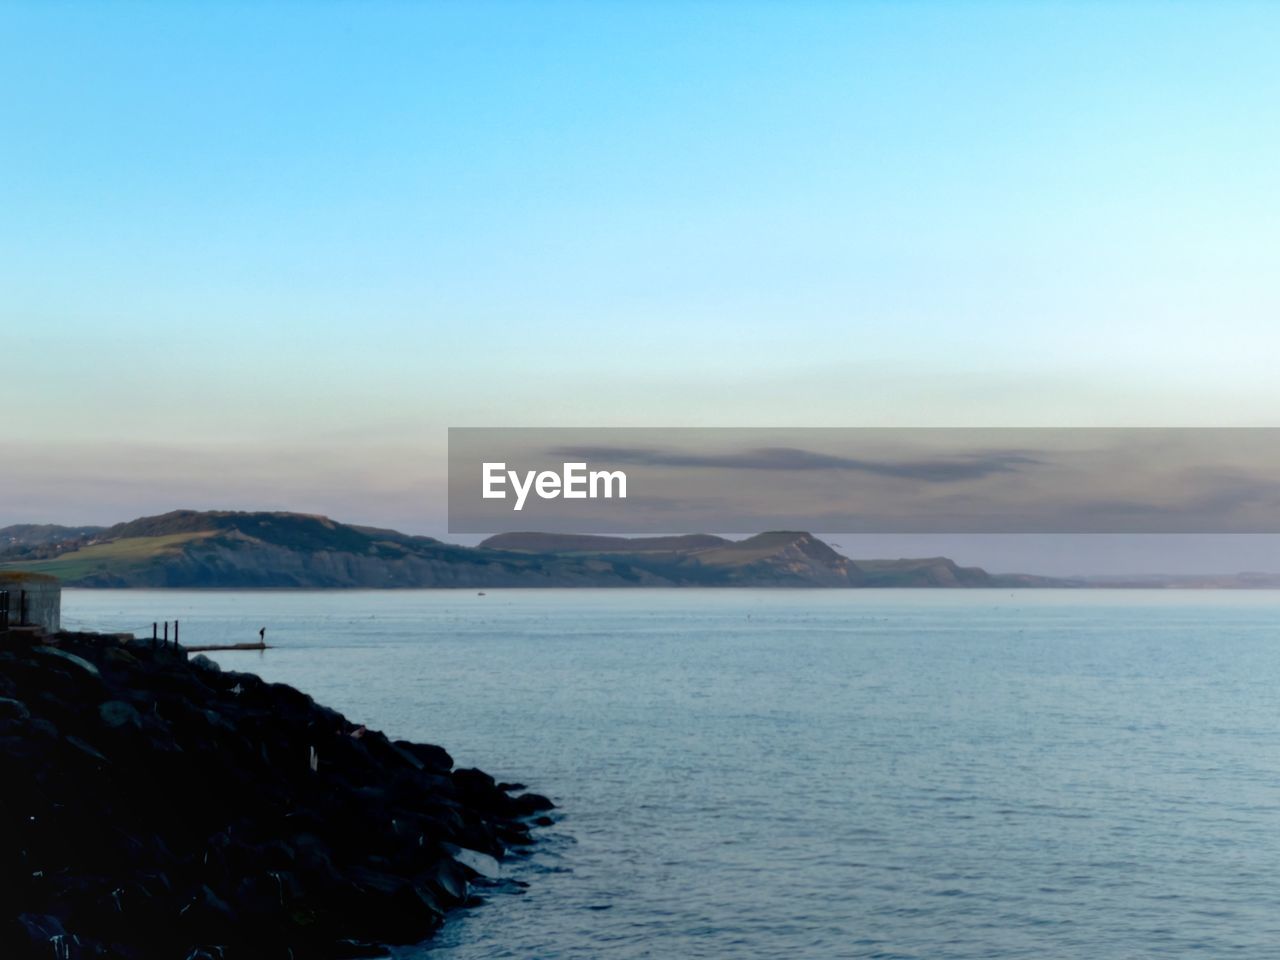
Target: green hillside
x,y
117,556
234,549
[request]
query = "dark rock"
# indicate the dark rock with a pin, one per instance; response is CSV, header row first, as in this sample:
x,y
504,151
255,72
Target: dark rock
x,y
87,749
203,663
409,758
69,658
117,714
357,950
119,658
214,719
399,908
154,808
429,755
208,913
40,933
449,881
472,780
477,788
11,709
529,803
43,728
515,836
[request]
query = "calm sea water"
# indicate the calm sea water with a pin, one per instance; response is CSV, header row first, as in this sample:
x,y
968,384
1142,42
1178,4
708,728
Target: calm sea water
x,y
811,774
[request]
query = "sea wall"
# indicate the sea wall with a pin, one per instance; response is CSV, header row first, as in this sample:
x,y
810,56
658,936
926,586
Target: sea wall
x,y
155,806
43,597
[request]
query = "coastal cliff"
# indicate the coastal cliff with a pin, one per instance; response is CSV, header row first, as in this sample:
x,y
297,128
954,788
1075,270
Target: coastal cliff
x,y
155,806
238,550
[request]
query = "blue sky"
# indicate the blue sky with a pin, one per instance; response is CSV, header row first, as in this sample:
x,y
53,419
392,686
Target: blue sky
x,y
265,254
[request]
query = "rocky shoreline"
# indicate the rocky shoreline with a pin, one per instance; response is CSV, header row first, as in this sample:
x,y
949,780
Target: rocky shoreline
x,y
155,806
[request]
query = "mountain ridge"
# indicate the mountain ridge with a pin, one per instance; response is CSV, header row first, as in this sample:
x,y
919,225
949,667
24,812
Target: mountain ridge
x,y
277,549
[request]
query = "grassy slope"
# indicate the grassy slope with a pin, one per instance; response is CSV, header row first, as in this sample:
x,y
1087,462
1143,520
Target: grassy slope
x,y
114,556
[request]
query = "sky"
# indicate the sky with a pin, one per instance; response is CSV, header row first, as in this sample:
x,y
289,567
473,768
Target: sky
x,y
264,255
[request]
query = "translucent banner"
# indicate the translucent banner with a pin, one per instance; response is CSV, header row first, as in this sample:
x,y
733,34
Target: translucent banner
x,y
645,480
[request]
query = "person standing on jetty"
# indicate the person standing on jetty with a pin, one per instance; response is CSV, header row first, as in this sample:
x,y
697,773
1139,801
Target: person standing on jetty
x,y
262,636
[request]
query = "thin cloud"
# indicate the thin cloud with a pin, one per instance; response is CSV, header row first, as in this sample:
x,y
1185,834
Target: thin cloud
x,y
971,466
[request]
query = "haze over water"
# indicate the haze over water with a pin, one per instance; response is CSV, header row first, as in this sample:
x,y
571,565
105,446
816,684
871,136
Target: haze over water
x,y
770,774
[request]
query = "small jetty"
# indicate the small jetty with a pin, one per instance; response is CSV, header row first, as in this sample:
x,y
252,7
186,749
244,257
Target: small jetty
x,y
260,644
212,647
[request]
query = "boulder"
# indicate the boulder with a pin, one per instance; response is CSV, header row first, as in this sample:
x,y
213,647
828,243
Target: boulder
x,y
71,659
116,714
11,709
204,664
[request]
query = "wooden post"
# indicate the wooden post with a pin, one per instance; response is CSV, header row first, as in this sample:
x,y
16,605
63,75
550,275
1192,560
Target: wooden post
x,y
166,633
155,631
175,634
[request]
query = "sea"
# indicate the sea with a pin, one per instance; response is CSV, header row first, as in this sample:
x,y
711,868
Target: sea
x,y
923,774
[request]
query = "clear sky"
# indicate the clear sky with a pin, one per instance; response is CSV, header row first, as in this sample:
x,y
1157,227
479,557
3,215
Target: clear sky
x,y
262,255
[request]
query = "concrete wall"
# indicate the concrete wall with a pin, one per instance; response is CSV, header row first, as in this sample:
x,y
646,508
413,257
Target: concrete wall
x,y
44,598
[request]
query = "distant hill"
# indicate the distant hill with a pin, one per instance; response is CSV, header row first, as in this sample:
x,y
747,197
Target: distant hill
x,y
188,548
40,534
778,558
39,541
1187,581
942,572
586,543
